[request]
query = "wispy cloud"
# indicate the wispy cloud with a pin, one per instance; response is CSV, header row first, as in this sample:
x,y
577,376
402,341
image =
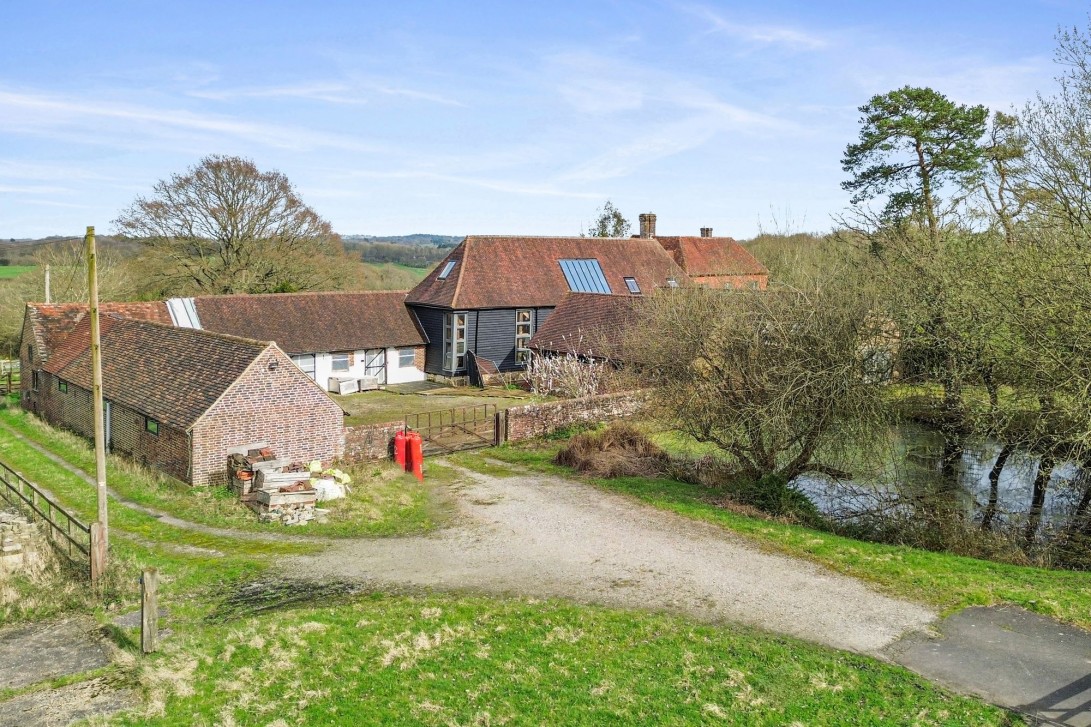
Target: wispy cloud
x,y
42,115
32,189
328,92
496,185
759,34
652,114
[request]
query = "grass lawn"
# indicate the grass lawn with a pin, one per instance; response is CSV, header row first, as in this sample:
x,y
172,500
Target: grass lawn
x,y
7,272
441,660
316,657
377,407
947,581
383,499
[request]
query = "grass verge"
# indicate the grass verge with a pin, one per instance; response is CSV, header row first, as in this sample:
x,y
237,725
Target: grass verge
x,y
947,581
190,561
383,500
434,660
417,659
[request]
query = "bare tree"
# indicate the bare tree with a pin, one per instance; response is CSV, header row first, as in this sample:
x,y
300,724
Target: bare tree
x,y
776,380
223,226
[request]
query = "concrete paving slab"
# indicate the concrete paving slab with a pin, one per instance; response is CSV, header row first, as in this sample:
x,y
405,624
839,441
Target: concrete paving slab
x,y
39,652
59,707
1010,657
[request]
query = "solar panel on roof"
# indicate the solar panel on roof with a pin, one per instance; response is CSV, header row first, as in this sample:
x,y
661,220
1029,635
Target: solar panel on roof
x,y
584,276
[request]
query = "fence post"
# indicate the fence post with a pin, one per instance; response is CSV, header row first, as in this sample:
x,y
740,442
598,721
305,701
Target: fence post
x,y
98,551
149,610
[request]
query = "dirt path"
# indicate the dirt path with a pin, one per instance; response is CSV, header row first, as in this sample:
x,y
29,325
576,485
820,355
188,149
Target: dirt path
x,y
163,517
551,537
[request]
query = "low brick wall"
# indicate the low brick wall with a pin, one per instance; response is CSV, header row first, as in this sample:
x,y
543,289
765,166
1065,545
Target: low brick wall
x,y
537,420
370,441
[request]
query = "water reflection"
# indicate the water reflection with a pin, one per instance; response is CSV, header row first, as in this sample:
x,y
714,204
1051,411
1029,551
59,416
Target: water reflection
x,y
913,469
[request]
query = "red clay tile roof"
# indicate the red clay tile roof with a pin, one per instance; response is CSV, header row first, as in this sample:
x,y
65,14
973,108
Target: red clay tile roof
x,y
315,322
51,322
170,374
588,324
702,256
516,272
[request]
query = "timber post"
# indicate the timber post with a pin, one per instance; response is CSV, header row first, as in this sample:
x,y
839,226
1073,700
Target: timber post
x,y
149,610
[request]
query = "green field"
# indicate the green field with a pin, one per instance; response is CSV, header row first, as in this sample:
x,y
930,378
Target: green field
x,y
7,272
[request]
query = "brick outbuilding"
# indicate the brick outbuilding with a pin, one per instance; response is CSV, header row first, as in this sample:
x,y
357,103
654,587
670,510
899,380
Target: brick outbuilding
x,y
176,398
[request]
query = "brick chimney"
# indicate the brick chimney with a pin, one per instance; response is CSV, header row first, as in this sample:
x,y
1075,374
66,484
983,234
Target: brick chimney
x,y
706,232
647,225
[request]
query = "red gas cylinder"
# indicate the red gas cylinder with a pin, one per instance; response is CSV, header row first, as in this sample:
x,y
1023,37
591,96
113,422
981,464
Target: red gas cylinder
x,y
415,455
399,448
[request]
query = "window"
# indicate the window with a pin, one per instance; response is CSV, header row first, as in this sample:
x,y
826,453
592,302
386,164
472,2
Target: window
x,y
584,276
35,379
305,364
753,285
672,282
151,426
30,353
62,386
524,329
340,361
447,269
407,358
630,283
454,341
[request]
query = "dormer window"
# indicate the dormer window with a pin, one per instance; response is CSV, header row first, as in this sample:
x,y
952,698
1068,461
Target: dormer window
x,y
447,269
630,283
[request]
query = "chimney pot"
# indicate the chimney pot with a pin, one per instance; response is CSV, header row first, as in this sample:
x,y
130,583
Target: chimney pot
x,y
706,232
647,225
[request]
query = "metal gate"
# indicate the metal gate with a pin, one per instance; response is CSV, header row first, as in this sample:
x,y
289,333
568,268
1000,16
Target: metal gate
x,y
452,430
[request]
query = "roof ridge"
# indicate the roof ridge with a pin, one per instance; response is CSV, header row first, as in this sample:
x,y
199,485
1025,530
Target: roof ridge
x,y
295,294
458,283
557,237
251,342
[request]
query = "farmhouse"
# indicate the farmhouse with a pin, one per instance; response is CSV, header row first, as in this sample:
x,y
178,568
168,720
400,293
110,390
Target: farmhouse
x,y
369,336
175,398
483,303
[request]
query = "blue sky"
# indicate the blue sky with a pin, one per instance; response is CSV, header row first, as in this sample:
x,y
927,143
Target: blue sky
x,y
486,117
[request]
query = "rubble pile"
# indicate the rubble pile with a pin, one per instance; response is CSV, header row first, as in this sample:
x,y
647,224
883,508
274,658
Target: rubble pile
x,y
17,541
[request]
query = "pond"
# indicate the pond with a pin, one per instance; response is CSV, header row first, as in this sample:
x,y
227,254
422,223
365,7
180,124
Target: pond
x,y
915,470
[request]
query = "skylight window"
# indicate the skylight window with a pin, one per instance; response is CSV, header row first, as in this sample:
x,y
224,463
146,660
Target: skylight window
x,y
447,269
630,283
584,276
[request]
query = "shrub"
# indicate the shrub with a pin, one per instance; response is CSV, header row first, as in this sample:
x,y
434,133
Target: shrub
x,y
620,450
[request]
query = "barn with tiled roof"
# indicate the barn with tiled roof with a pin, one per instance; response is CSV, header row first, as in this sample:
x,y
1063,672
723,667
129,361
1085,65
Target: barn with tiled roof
x,y
175,398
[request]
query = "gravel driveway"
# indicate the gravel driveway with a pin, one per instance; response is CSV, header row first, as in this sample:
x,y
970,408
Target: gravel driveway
x,y
547,536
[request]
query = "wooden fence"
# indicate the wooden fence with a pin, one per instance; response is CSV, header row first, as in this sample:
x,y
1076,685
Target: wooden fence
x,y
66,532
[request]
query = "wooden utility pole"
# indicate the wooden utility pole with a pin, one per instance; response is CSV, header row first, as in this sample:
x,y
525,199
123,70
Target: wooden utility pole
x,y
96,387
